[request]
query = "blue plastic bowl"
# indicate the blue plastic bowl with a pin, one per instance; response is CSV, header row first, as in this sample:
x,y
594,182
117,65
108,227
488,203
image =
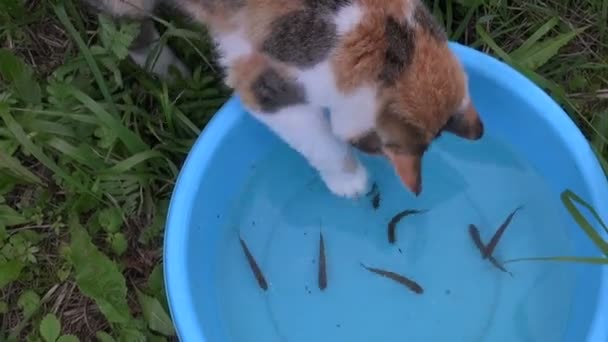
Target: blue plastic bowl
x,y
199,264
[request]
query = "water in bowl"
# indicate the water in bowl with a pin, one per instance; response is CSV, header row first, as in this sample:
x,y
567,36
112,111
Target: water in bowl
x,y
284,207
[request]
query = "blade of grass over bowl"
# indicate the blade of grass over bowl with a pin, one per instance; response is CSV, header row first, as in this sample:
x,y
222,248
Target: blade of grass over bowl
x,y
568,197
574,259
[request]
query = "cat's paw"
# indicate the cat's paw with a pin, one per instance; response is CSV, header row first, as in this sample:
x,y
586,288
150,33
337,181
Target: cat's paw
x,y
350,184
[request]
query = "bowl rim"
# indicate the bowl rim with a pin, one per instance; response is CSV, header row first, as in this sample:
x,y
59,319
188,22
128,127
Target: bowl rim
x,y
181,306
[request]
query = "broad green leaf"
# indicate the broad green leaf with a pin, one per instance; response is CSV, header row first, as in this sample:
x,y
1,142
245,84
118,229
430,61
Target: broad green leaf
x,y
97,276
567,198
156,316
540,53
3,308
110,219
155,282
575,259
119,243
50,328
20,77
9,271
103,336
28,302
68,338
132,335
10,217
543,30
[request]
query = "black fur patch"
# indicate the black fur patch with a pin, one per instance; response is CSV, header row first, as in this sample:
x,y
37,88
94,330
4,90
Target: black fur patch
x,y
429,23
332,5
368,143
273,92
302,38
399,51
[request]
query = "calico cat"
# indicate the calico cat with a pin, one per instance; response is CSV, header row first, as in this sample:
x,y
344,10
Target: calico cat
x,y
382,68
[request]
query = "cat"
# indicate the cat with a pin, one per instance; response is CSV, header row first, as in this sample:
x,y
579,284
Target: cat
x,y
382,68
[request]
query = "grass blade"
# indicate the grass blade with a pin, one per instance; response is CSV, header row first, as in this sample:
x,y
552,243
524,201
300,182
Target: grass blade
x,y
131,140
543,30
568,197
136,159
585,260
86,52
541,53
485,37
17,169
36,151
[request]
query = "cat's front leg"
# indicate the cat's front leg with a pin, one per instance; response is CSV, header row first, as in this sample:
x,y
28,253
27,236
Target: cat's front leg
x,y
307,131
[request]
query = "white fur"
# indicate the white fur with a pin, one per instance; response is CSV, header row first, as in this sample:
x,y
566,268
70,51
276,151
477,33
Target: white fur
x,y
348,18
305,129
232,46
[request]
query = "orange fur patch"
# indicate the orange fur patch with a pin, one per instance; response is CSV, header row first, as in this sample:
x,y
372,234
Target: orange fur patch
x,y
358,58
432,88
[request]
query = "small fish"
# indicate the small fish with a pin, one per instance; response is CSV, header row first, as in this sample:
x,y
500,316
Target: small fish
x,y
494,241
412,285
392,225
254,266
376,201
322,268
476,237
474,233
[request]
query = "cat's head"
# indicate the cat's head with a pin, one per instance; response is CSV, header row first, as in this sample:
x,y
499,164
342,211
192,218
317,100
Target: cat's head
x,y
428,97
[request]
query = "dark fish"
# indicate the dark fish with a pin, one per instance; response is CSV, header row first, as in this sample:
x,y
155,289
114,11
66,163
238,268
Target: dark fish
x,y
376,201
476,237
412,285
322,268
254,266
392,225
494,241
474,233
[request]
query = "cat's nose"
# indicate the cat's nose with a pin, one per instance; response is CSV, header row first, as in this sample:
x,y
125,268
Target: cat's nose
x,y
408,167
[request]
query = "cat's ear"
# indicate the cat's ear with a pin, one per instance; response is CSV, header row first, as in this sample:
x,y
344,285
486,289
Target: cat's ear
x,y
466,123
408,167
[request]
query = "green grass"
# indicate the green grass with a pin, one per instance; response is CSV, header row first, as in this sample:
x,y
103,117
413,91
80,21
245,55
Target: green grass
x,y
90,147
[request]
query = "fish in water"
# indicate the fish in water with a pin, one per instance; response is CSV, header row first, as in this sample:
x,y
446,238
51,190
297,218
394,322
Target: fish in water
x,y
392,225
409,283
476,237
322,265
259,276
376,196
496,238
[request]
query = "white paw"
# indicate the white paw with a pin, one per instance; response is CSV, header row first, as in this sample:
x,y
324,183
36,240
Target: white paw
x,y
348,184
